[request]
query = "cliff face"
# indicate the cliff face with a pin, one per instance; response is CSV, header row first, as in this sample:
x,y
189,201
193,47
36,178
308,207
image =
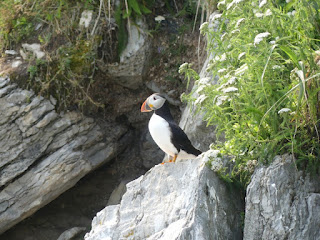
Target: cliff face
x,y
282,203
187,200
44,153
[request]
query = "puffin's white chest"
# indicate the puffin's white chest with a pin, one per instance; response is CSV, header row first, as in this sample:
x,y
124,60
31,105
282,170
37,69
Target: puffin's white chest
x,y
161,134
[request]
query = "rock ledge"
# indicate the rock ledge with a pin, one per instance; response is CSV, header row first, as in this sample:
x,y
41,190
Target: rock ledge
x,y
185,200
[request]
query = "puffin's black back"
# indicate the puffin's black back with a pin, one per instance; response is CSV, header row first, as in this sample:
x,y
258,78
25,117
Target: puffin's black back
x,y
178,137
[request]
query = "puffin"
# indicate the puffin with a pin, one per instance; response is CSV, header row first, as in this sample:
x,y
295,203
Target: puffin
x,y
166,132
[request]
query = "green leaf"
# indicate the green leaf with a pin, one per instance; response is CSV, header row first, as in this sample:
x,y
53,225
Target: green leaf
x,y
289,5
126,14
145,10
135,6
291,54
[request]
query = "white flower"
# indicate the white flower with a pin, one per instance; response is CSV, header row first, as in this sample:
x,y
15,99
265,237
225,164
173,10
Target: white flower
x,y
272,42
276,67
284,110
159,19
268,12
215,16
222,70
204,27
204,81
293,113
241,55
221,3
232,3
200,88
293,12
241,69
223,35
213,157
232,80
234,31
200,99
259,15
260,37
183,67
239,21
223,57
262,3
287,1
230,89
221,99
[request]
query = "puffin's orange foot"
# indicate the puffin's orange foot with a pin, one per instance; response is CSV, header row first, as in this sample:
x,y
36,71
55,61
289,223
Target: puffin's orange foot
x,y
170,161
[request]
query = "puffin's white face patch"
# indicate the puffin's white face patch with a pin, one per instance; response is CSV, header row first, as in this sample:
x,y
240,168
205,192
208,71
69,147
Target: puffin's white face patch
x,y
155,101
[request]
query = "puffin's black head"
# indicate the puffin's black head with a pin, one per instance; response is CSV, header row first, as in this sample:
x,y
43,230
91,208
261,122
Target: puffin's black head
x,y
153,102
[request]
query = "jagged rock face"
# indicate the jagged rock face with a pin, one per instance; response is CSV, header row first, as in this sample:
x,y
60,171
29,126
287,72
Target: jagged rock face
x,y
185,200
43,153
282,203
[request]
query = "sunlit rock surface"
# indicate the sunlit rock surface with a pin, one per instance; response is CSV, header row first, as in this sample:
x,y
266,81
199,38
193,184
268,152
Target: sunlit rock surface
x,y
134,59
185,200
282,203
43,153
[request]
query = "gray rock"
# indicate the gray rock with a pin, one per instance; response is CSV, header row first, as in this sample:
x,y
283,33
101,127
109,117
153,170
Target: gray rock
x,y
117,194
43,153
10,52
35,49
133,63
282,203
192,121
71,233
185,200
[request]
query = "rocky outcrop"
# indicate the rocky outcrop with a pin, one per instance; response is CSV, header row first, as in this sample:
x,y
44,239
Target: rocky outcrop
x,y
185,200
131,68
44,153
282,203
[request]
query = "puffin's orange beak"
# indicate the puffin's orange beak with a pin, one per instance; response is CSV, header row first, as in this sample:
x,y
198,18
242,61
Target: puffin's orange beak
x,y
145,107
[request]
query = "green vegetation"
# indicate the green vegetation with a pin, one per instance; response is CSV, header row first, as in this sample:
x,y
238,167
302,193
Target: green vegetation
x,y
266,101
72,51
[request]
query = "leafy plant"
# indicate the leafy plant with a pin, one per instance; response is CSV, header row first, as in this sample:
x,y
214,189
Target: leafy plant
x,y
67,71
266,101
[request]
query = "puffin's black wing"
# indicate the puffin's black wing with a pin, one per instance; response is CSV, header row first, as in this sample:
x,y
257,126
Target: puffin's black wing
x,y
181,141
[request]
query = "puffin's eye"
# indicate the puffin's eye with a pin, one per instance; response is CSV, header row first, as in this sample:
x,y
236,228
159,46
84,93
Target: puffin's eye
x,y
154,98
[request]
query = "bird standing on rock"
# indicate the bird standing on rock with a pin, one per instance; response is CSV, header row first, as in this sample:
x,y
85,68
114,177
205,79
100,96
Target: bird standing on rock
x,y
165,132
